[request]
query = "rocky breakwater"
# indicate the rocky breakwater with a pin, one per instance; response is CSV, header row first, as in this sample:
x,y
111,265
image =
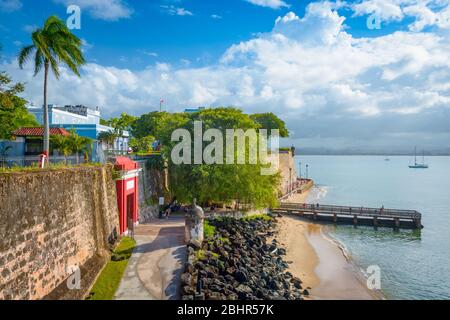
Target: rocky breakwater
x,y
239,260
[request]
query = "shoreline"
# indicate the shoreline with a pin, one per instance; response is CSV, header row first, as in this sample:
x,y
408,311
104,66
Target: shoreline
x,y
320,261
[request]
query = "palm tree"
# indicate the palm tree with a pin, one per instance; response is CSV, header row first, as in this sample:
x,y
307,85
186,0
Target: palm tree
x,y
107,137
61,143
52,44
79,144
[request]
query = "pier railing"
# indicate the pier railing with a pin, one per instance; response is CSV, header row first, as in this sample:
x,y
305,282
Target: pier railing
x,y
356,215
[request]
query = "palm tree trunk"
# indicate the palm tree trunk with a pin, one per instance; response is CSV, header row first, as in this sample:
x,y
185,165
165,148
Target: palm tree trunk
x,y
46,122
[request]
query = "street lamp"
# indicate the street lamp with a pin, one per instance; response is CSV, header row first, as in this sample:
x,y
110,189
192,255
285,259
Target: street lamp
x,y
300,167
290,181
307,171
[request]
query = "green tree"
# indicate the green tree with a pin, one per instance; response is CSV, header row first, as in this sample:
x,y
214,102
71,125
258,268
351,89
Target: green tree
x,y
123,123
142,144
61,143
270,121
217,182
13,111
107,137
150,124
79,144
52,44
72,144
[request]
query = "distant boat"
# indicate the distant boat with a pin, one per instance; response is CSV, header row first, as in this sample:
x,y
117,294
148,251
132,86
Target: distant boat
x,y
387,159
419,165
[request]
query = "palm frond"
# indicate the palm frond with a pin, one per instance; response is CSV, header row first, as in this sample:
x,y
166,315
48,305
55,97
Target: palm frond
x,y
38,62
24,55
54,43
41,43
54,66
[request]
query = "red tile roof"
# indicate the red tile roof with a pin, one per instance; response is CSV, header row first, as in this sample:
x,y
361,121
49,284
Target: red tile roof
x,y
36,132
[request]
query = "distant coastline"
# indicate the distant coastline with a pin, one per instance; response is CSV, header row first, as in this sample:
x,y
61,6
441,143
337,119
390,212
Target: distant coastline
x,y
326,152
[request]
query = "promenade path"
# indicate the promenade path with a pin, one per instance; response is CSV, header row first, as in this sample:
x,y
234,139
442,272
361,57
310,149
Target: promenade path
x,y
157,262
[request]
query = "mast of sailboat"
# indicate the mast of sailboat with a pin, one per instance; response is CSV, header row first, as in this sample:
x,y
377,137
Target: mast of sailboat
x,y
415,155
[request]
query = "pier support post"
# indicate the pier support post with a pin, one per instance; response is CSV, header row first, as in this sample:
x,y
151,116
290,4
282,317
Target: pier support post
x,y
355,220
335,218
418,223
315,216
375,222
397,223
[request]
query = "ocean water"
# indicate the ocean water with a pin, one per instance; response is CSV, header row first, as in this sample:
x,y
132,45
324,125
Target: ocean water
x,y
413,264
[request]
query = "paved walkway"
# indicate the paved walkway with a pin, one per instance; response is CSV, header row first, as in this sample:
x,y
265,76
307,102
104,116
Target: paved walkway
x,y
155,267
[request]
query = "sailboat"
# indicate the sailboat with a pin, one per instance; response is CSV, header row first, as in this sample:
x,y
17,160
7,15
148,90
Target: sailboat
x,y
416,164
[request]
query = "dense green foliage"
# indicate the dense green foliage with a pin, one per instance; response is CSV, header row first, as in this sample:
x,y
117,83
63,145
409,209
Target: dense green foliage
x,y
143,144
107,137
270,121
13,112
210,183
73,144
123,123
108,282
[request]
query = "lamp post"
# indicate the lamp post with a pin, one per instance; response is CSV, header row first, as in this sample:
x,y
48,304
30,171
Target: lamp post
x,y
300,168
290,181
307,171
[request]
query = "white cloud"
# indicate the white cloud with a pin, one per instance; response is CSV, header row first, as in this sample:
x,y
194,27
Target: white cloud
x,y
110,10
10,5
274,4
309,70
175,11
424,12
424,16
385,9
29,28
216,16
148,53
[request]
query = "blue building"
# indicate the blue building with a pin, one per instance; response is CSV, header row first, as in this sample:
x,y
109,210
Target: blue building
x,y
194,110
86,123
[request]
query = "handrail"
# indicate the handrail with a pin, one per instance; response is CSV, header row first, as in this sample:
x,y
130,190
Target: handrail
x,y
348,210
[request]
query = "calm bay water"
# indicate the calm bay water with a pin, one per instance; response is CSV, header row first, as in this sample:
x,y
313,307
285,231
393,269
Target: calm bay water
x,y
414,264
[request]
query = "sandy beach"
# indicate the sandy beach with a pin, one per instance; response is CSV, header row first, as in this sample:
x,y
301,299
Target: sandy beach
x,y
319,262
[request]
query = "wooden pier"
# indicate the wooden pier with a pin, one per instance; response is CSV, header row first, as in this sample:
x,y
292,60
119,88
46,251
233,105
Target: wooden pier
x,y
377,217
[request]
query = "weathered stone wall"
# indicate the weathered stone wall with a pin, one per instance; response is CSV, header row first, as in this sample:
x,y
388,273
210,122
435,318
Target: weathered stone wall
x,y
51,221
287,169
152,184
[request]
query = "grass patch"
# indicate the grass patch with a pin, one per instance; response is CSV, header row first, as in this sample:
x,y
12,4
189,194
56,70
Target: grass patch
x,y
264,217
107,283
208,230
224,240
202,255
48,167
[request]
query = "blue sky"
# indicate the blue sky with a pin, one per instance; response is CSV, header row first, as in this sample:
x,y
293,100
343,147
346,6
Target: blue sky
x,y
317,64
149,31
